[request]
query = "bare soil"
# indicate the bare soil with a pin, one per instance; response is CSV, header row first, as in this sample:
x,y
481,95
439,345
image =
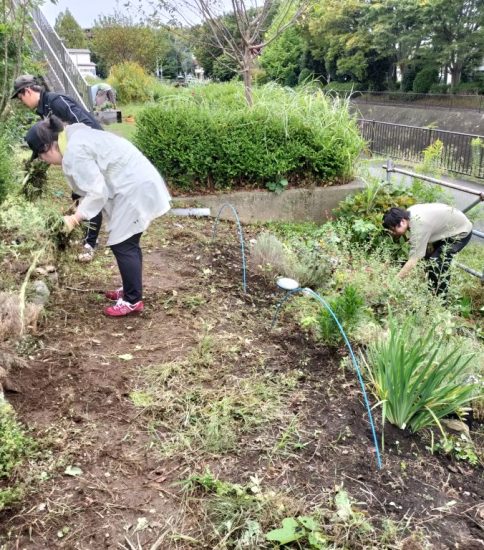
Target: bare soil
x,y
74,394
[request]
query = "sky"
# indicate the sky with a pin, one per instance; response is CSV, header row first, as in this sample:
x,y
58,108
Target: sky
x,y
86,12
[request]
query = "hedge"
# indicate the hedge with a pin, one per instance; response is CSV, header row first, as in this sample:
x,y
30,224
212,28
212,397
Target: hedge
x,y
199,143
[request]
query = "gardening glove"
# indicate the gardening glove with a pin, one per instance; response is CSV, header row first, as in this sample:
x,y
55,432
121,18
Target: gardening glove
x,y
70,222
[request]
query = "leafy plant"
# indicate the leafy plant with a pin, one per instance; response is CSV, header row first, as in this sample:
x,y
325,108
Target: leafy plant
x,y
297,529
459,447
131,82
15,444
416,379
362,212
348,308
278,186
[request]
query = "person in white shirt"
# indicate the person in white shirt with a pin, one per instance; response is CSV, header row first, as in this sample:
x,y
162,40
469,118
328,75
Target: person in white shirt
x,y
447,231
110,175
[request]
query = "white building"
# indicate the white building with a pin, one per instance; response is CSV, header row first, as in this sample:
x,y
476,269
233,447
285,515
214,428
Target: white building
x,y
82,58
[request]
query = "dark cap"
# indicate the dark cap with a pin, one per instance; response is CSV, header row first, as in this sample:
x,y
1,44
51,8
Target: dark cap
x,y
22,82
34,141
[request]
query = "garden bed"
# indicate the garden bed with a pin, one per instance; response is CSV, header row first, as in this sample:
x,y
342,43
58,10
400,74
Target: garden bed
x,y
198,385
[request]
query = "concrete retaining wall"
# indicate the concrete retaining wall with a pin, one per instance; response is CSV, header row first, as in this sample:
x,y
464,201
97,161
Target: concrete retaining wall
x,y
313,204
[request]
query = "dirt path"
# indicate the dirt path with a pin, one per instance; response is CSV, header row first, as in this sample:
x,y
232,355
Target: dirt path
x,y
77,395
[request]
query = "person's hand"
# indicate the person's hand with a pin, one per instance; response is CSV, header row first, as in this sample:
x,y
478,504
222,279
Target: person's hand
x,y
70,222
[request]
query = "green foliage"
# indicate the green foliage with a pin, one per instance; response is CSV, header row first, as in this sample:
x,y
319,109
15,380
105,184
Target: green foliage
x,y
118,39
342,87
7,167
348,309
297,529
416,378
15,444
424,80
277,187
282,58
209,138
362,212
69,30
35,181
461,448
131,82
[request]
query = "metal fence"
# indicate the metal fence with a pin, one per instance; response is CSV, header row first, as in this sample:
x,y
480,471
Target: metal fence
x,y
440,101
462,153
63,74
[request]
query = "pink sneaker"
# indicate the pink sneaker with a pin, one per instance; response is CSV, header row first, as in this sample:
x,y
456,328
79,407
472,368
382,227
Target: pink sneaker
x,y
114,295
122,308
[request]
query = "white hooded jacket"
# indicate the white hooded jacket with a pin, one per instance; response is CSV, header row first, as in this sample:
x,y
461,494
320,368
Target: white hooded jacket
x,y
110,174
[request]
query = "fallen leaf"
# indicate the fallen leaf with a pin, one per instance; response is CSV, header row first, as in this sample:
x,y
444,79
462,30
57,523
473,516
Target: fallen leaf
x,y
126,357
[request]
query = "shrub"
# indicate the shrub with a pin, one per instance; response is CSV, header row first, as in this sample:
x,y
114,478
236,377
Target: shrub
x,y
7,167
15,443
424,80
362,212
131,82
416,379
343,87
439,88
469,88
348,309
210,139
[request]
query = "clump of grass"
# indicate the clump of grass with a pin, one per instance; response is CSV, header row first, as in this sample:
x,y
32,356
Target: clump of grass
x,y
35,180
15,444
15,315
416,378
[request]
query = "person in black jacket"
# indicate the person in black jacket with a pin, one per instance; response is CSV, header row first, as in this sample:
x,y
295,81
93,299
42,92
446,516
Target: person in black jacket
x,y
32,94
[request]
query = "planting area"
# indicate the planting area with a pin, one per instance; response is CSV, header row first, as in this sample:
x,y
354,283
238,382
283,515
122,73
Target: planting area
x,y
194,425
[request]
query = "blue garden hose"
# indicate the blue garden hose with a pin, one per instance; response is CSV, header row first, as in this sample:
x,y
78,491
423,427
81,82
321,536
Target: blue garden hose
x,y
353,358
241,238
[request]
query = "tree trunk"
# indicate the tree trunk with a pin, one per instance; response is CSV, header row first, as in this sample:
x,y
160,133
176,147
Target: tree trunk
x,y
455,73
247,73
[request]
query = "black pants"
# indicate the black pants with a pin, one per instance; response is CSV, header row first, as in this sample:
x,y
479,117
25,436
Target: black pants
x,y
439,262
93,227
130,263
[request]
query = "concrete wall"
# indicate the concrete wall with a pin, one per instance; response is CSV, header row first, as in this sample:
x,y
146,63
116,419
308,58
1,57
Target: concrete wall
x,y
313,204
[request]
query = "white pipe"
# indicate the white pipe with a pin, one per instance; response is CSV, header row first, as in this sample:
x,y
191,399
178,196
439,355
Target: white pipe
x,y
198,212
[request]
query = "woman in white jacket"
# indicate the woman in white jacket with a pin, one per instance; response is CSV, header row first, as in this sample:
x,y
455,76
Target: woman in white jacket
x,y
110,174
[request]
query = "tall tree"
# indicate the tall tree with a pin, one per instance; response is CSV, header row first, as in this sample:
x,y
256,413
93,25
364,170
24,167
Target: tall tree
x,y
70,31
252,17
117,38
456,30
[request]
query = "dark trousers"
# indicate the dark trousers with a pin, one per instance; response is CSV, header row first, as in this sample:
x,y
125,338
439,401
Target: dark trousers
x,y
130,263
93,226
439,261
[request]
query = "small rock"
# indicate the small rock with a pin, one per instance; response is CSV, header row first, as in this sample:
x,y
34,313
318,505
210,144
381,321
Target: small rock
x,y
41,293
456,426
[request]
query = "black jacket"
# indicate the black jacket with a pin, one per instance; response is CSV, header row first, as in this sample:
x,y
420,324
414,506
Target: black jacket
x,y
66,109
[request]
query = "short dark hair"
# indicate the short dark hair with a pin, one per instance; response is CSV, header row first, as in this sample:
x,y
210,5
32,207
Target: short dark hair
x,y
43,134
394,216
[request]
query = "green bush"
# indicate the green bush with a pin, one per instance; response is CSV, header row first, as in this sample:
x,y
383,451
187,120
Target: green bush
x,y
343,87
439,88
7,167
348,309
416,379
469,88
131,82
14,442
207,137
362,212
424,80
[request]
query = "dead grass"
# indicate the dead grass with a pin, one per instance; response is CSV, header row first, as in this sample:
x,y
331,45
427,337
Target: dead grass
x,y
12,322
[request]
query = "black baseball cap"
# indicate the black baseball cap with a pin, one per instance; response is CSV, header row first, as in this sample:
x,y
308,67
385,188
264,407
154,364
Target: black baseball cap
x,y
22,82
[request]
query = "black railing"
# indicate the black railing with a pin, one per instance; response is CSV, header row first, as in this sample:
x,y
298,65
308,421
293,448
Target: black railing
x,y
440,101
462,153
